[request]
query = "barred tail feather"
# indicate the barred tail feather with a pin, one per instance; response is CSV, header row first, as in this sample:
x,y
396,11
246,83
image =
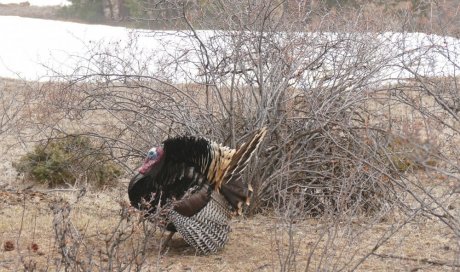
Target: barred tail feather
x,y
235,190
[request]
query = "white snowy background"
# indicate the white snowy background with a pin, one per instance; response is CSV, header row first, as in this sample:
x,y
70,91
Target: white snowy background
x,y
37,49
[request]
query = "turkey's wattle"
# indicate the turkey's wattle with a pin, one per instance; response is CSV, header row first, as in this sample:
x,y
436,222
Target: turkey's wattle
x,y
201,184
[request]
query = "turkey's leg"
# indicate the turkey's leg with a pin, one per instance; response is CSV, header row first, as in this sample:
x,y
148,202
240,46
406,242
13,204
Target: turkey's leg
x,y
166,241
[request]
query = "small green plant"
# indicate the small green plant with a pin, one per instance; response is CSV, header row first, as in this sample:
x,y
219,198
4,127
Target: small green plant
x,y
68,160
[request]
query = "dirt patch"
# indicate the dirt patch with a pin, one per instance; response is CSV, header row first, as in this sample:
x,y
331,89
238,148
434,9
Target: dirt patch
x,y
260,243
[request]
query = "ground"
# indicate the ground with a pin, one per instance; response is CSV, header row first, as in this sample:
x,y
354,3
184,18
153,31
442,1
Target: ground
x,y
258,243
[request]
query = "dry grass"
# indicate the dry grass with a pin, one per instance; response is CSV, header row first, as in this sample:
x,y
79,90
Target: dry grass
x,y
391,241
255,243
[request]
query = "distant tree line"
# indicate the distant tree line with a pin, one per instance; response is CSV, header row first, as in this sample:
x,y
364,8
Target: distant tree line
x,y
96,11
169,14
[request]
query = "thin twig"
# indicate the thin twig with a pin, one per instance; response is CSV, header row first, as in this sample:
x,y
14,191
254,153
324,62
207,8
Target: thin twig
x,y
424,261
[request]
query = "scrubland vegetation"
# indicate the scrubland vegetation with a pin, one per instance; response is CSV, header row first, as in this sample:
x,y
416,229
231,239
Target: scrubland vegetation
x,y
359,171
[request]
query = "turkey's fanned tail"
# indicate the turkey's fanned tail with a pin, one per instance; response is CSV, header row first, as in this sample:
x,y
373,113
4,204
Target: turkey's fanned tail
x,y
236,191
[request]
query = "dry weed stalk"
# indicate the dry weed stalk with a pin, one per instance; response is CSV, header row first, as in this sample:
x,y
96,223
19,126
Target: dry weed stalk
x,y
122,247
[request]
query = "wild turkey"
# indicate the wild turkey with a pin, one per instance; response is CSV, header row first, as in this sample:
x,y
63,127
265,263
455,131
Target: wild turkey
x,y
199,183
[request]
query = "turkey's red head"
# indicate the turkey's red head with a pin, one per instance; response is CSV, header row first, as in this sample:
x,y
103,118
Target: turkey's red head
x,y
153,158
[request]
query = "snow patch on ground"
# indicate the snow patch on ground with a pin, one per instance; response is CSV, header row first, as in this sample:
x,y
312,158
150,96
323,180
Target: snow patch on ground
x,y
34,46
37,49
